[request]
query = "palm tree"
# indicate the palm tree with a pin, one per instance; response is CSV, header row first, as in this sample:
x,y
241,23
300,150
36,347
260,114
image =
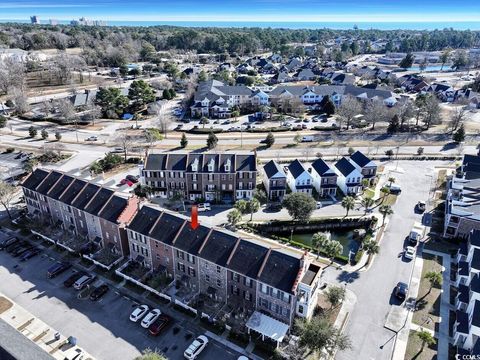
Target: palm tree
x,y
150,355
234,217
385,210
253,206
385,191
435,278
367,203
391,180
426,338
370,247
365,184
348,203
319,241
332,249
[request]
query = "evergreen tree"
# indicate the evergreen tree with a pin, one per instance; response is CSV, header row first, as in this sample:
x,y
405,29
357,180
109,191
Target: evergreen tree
x,y
212,140
184,141
459,135
407,61
269,140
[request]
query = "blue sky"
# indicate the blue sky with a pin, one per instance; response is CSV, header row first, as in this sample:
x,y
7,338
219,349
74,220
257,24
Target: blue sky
x,y
247,10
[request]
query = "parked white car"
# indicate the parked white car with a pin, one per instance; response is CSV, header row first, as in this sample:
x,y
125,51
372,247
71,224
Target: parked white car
x,y
83,281
410,252
319,204
204,207
150,318
91,138
196,347
138,313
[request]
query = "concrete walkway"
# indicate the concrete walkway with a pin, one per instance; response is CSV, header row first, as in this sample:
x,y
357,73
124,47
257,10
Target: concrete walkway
x,y
40,333
443,333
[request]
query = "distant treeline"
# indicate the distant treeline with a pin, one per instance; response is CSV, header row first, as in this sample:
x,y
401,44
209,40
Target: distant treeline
x,y
108,45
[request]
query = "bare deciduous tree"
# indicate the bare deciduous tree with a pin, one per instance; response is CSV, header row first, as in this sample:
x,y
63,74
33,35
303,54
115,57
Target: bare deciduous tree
x,y
376,111
7,193
458,117
66,110
124,141
349,108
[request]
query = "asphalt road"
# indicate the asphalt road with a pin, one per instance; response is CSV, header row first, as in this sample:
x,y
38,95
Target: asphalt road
x,y
103,328
370,340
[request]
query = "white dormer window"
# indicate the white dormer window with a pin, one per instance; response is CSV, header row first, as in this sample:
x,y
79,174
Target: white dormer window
x,y
211,165
195,165
228,165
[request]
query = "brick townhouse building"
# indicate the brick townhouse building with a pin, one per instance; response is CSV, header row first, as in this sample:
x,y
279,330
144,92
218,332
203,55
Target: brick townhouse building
x,y
223,177
243,273
79,207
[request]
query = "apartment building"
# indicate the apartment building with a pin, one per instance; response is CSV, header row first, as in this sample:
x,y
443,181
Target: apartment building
x,y
79,207
215,99
242,273
462,204
220,177
466,329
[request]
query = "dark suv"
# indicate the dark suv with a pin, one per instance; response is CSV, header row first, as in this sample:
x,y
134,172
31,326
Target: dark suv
x,y
401,291
57,269
8,241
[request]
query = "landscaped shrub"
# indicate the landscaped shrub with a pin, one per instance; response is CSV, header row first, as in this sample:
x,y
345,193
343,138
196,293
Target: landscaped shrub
x,y
205,131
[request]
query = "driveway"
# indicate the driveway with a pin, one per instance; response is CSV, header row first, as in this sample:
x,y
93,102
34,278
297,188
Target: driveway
x,y
370,340
103,327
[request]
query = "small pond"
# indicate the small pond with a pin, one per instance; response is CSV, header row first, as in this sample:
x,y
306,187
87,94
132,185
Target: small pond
x,y
345,237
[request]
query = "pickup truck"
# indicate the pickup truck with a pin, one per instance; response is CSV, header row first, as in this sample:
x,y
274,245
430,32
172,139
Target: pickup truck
x,y
417,233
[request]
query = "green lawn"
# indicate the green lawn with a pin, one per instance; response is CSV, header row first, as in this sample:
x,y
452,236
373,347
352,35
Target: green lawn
x,y
414,349
428,304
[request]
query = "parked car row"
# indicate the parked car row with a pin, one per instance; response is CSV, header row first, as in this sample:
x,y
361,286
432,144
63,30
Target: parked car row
x,y
129,180
19,249
153,319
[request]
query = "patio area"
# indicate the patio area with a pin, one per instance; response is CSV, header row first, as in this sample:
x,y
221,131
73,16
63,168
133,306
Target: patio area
x,y
206,304
180,290
157,280
134,270
105,257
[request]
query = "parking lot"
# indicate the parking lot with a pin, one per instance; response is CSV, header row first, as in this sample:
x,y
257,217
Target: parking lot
x,y
103,328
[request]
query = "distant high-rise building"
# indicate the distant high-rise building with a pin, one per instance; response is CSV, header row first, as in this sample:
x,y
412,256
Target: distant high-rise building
x,y
53,22
34,19
87,22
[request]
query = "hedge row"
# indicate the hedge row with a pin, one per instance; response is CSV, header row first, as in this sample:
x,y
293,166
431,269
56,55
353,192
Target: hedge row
x,y
204,131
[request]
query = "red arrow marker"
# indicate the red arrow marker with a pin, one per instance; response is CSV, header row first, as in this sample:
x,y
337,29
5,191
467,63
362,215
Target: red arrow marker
x,y
194,219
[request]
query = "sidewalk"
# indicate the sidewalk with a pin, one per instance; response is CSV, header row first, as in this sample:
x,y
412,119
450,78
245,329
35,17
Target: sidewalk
x,y
443,332
39,332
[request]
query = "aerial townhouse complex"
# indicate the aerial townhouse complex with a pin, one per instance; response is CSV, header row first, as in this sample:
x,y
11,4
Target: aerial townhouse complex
x,y
80,207
257,276
462,205
222,177
217,100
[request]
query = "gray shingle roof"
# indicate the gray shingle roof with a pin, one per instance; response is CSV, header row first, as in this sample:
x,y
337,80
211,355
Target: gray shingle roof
x,y
48,183
35,178
322,168
344,166
272,168
72,191
166,228
296,168
360,159
280,271
218,247
60,187
247,258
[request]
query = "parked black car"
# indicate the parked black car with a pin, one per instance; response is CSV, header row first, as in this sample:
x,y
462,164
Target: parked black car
x,y
29,254
57,269
21,250
401,291
132,178
8,241
13,247
99,292
73,278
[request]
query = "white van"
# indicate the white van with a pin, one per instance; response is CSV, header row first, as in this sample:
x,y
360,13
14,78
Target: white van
x,y
308,138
